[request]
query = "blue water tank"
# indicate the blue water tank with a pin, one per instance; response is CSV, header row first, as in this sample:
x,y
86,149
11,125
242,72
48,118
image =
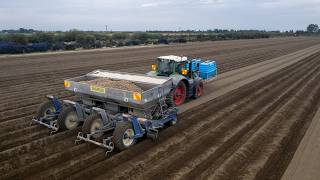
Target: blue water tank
x,y
207,69
194,64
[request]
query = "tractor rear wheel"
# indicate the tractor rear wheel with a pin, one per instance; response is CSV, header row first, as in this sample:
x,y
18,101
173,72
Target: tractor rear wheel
x,y
123,136
45,109
67,119
92,124
180,93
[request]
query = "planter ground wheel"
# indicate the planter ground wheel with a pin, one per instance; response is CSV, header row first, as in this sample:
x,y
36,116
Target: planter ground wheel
x,y
92,124
123,136
68,119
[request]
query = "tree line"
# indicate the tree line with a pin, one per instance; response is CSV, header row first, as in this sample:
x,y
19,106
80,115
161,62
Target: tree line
x,y
29,40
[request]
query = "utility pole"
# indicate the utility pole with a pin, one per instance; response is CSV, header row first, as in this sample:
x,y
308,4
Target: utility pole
x,y
106,28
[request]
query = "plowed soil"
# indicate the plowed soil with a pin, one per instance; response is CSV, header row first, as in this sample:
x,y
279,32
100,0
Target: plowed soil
x,y
251,132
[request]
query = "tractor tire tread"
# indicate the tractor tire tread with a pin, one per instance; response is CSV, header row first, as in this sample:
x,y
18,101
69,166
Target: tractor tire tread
x,y
195,95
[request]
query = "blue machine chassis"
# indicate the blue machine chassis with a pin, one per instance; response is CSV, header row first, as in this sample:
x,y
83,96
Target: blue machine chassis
x,y
140,126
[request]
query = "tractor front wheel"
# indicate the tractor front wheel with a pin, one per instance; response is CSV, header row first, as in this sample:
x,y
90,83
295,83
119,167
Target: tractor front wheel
x,y
198,91
180,93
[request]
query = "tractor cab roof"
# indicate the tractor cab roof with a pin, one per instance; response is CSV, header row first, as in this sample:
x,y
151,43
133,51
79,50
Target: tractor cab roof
x,y
174,58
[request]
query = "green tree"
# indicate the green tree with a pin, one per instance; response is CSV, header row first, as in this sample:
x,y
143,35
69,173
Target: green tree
x,y
313,28
17,38
45,37
119,36
71,35
59,37
86,40
154,36
141,36
41,37
102,36
33,38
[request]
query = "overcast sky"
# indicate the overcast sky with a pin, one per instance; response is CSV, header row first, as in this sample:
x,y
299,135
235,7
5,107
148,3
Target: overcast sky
x,y
158,15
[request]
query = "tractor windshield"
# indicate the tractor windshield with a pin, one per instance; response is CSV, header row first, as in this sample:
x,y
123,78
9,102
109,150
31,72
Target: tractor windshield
x,y
165,67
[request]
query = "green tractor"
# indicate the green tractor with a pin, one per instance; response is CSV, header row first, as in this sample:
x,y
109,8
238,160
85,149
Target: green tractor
x,y
188,75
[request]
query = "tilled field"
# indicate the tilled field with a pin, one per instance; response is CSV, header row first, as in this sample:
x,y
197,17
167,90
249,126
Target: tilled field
x,y
249,133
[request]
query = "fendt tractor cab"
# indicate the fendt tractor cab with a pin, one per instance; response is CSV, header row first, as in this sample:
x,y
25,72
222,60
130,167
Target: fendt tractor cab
x,y
188,75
